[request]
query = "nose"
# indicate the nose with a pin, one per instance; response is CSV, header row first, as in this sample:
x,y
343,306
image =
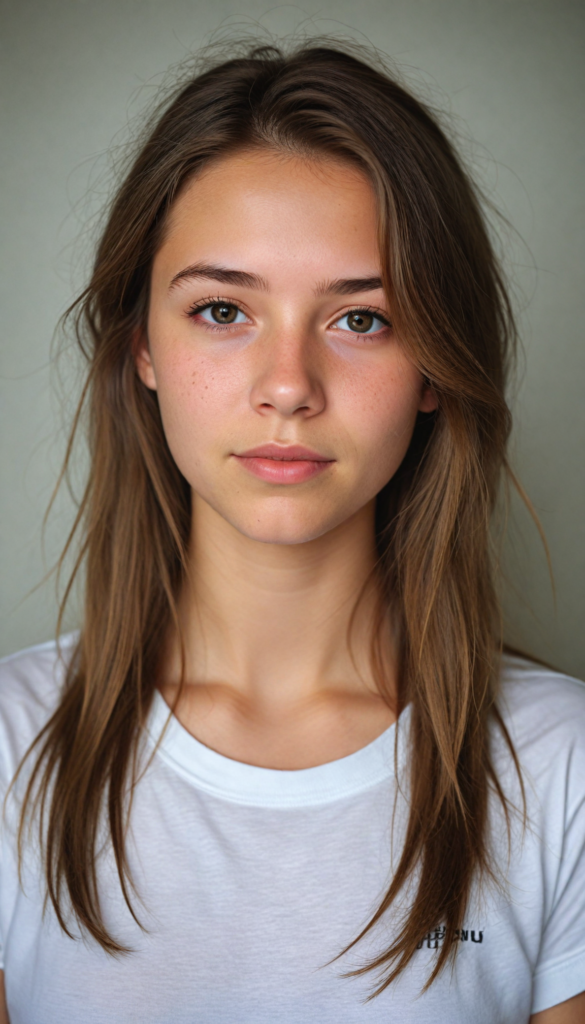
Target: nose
x,y
287,377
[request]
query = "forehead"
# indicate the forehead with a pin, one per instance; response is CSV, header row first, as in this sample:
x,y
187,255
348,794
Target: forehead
x,y
261,207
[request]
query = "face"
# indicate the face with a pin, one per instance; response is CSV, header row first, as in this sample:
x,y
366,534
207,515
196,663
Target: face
x,y
286,398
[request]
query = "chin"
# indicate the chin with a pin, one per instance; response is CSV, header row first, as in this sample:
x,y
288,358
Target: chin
x,y
278,520
286,530
282,535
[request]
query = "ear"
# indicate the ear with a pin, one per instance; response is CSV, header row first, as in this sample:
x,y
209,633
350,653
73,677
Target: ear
x,y
143,360
428,398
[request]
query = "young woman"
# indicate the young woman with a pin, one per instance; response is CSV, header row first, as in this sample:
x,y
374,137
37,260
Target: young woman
x,y
284,772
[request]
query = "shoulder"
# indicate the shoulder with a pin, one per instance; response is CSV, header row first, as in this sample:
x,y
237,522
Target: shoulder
x,y
544,712
539,704
31,683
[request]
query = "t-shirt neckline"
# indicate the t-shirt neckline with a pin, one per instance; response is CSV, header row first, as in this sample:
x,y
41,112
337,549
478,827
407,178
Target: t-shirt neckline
x,y
248,784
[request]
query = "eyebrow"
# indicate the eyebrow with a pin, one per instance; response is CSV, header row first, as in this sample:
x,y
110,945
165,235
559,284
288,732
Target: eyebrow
x,y
349,285
243,279
239,278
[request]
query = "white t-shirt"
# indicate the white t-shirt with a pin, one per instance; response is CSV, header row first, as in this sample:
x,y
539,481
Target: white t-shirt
x,y
250,880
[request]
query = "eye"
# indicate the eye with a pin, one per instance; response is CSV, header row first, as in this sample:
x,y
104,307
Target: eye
x,y
361,321
220,313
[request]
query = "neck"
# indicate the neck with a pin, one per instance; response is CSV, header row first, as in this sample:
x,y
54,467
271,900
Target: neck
x,y
271,621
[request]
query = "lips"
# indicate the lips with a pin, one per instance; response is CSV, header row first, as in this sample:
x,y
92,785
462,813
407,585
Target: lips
x,y
283,464
284,453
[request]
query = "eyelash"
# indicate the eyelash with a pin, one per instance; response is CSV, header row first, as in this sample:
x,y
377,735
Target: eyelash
x,y
217,300
372,311
213,301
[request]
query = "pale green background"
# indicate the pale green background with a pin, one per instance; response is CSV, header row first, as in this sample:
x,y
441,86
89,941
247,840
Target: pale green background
x,y
510,74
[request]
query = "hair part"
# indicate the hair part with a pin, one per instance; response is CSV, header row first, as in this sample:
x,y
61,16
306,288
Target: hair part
x,y
435,573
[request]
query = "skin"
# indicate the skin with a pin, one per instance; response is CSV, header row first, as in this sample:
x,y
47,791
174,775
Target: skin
x,y
275,569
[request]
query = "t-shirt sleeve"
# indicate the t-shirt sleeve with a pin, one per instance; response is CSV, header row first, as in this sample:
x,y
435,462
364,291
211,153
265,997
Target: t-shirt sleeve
x,y
560,971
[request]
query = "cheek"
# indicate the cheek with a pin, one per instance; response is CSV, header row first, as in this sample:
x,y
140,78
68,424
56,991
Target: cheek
x,y
380,410
196,398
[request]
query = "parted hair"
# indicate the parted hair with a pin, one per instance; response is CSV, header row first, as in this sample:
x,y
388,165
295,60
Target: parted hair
x,y
436,573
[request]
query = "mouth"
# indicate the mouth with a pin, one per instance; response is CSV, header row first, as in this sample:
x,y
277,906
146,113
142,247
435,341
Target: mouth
x,y
283,464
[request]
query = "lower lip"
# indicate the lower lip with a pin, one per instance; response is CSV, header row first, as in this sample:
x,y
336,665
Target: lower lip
x,y
279,471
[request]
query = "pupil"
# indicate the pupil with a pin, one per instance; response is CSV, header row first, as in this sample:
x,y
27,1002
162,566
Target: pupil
x,y
361,322
223,313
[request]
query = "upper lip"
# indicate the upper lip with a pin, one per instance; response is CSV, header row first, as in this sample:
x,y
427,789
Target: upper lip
x,y
284,452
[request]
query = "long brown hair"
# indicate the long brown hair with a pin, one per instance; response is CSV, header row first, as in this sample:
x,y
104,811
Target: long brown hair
x,y
451,311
